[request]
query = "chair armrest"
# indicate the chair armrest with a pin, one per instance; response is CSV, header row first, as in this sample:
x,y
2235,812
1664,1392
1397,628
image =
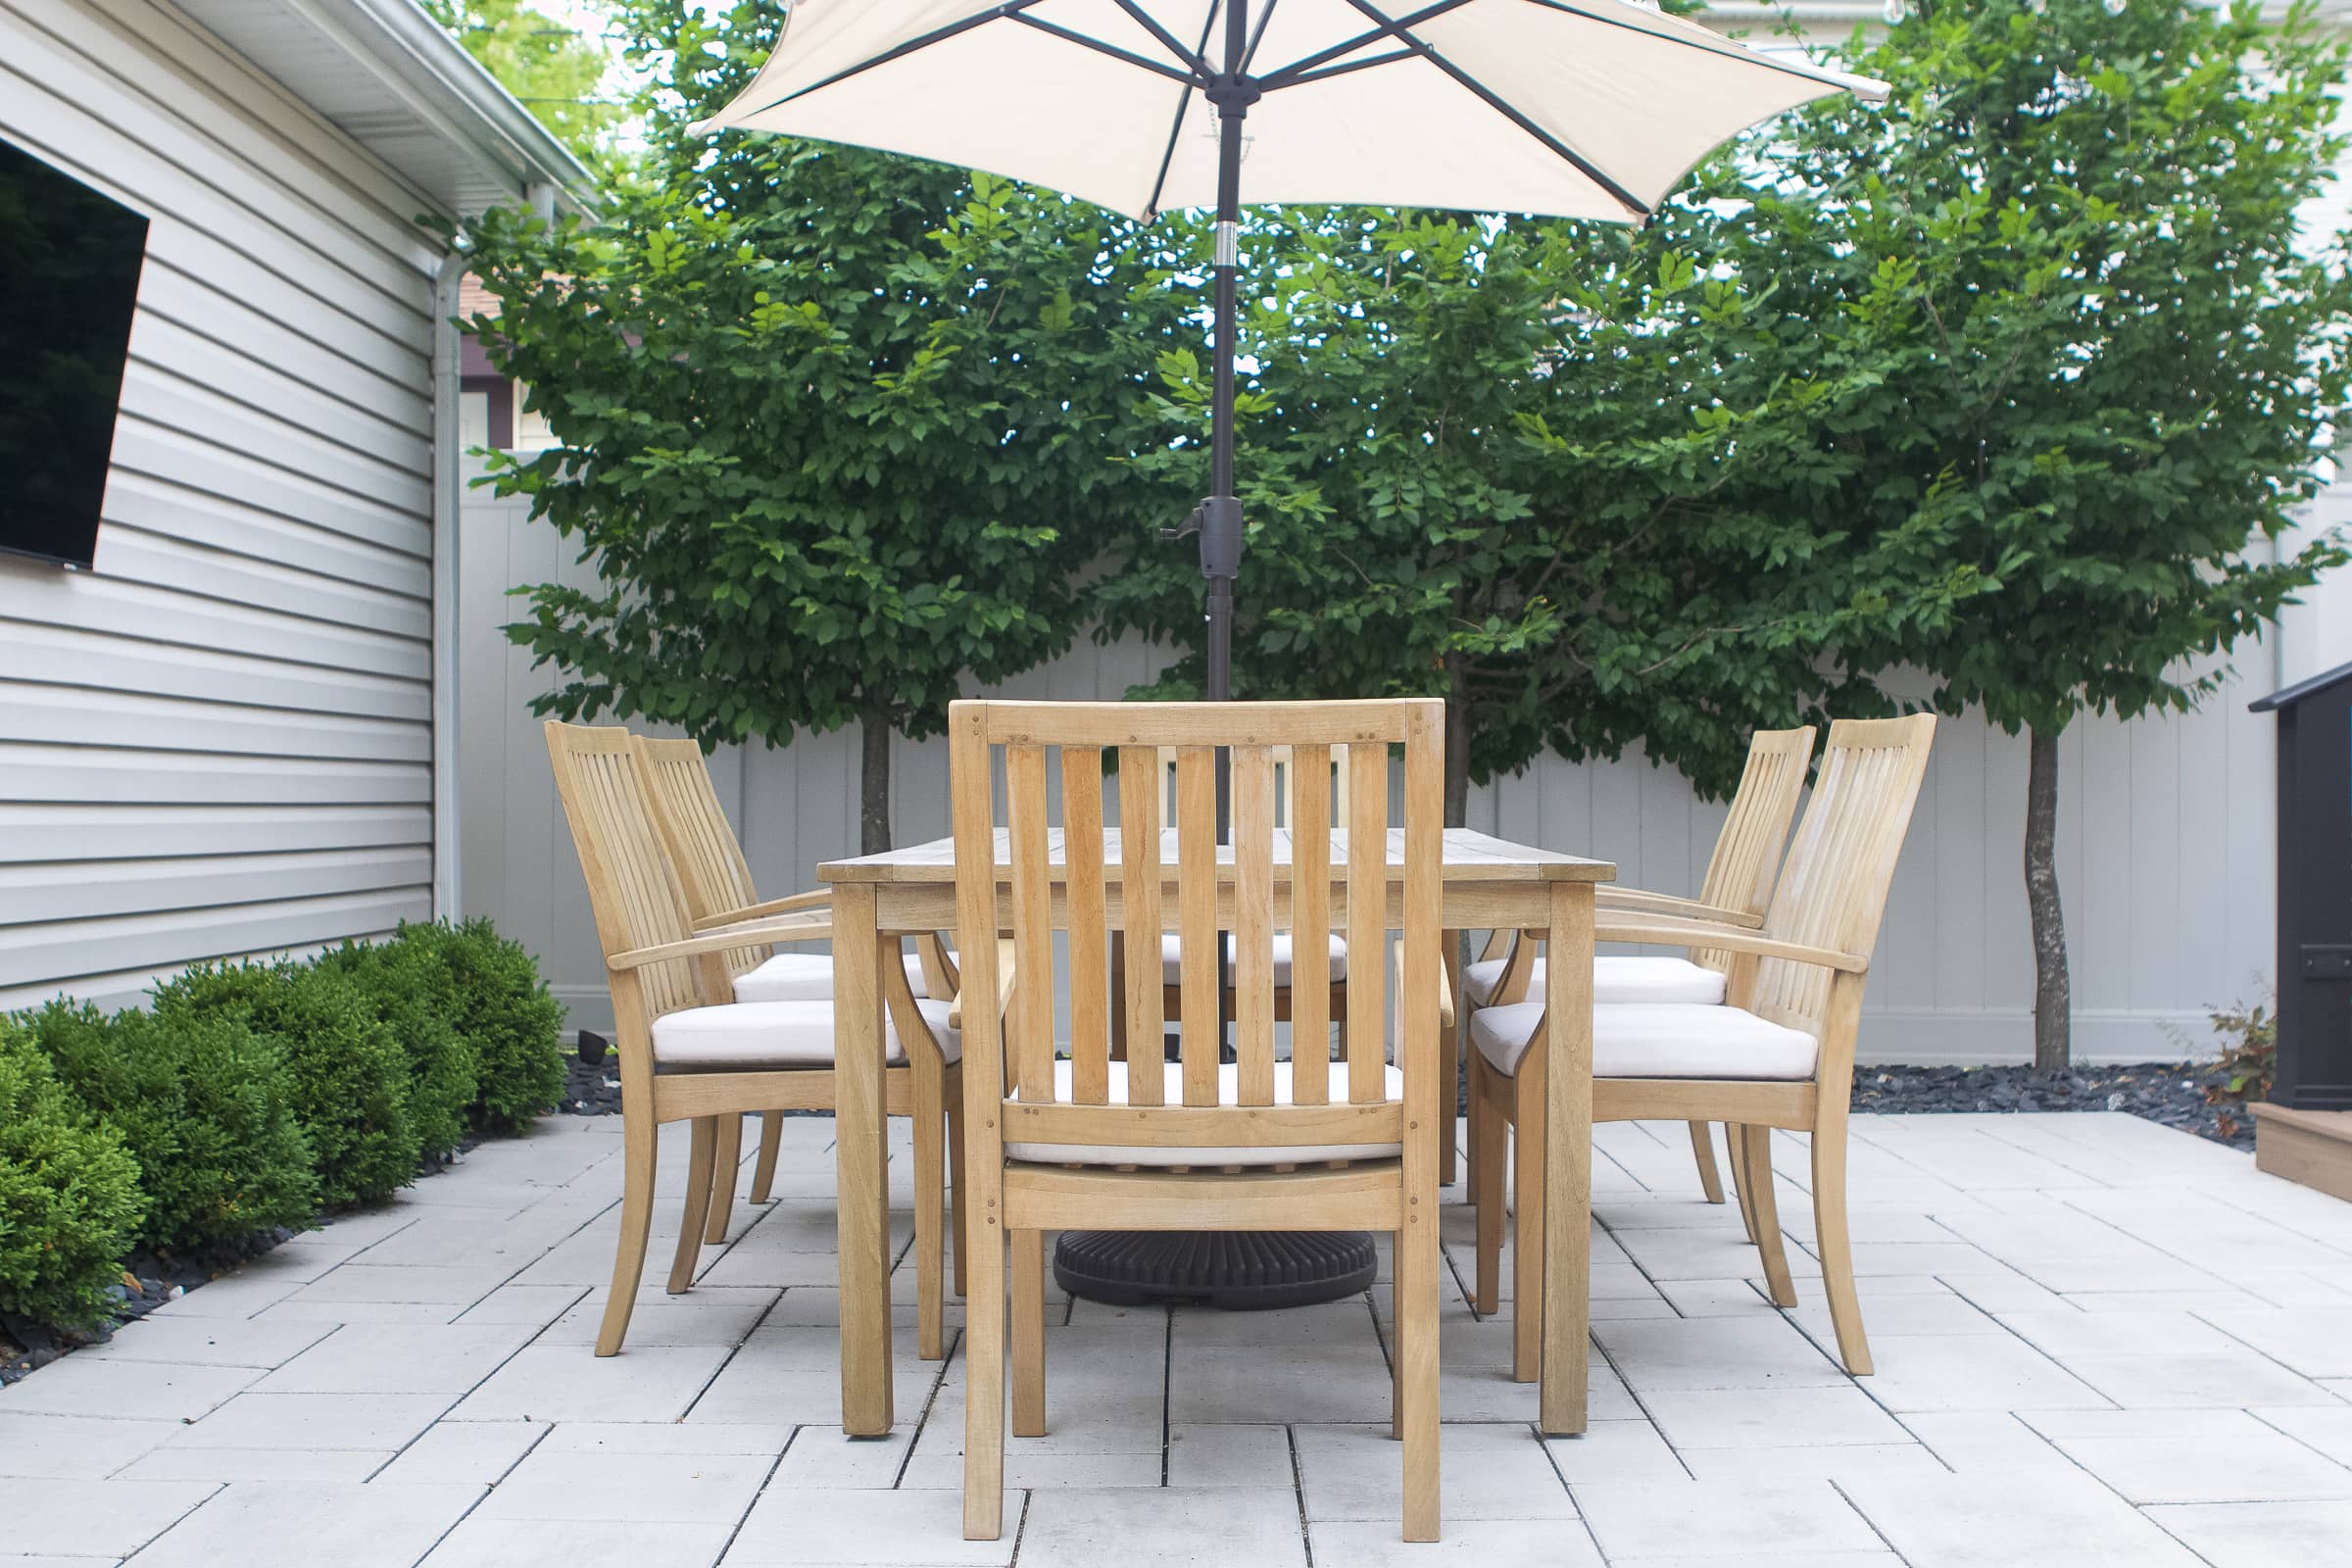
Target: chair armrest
x,y
1631,900
1728,939
1003,986
803,930
816,900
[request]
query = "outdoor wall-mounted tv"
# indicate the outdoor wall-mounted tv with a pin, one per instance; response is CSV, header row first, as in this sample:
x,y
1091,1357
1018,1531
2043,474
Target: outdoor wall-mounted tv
x,y
69,262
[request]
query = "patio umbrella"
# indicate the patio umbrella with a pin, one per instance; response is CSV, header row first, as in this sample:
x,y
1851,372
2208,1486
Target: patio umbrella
x,y
1590,109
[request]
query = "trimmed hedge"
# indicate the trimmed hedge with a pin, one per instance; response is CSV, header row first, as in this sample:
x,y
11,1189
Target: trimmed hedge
x,y
205,1106
351,1081
507,1012
70,1200
415,995
252,1095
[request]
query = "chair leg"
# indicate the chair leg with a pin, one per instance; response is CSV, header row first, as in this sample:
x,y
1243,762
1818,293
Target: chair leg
x,y
1414,1300
984,1389
1702,1150
1527,1240
772,1144
930,1195
701,1155
1836,1246
725,1165
959,1239
1490,1148
1450,1064
1748,1209
638,1146
1755,1152
1028,1334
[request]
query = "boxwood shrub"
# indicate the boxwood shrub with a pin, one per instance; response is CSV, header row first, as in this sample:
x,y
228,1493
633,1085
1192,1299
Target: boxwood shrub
x,y
204,1104
414,992
70,1200
507,1012
351,1080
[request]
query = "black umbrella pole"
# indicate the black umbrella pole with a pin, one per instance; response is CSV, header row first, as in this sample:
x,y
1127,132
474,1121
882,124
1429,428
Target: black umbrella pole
x,y
1243,1269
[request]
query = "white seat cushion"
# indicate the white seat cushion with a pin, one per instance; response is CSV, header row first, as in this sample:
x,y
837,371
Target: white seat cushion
x,y
1659,1040
1616,979
806,977
749,1036
1228,1090
1171,959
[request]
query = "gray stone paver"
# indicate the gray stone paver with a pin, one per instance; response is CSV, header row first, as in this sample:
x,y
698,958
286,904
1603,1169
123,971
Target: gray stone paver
x,y
2129,1338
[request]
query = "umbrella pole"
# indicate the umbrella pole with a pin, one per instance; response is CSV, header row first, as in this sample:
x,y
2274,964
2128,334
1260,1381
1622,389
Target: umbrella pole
x,y
1247,1270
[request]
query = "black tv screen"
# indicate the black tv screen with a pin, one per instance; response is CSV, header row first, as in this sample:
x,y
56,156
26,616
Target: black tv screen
x,y
69,281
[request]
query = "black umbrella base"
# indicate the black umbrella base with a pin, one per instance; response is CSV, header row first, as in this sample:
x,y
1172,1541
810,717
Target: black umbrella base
x,y
1239,1271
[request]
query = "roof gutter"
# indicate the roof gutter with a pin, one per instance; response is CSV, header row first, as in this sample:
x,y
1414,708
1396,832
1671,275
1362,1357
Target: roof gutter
x,y
412,55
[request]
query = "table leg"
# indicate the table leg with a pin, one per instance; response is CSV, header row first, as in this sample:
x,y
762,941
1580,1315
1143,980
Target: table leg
x,y
1567,1160
860,1175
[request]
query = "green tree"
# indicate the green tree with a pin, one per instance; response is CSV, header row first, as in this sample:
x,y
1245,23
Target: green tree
x,y
2068,247
836,427
1533,468
563,75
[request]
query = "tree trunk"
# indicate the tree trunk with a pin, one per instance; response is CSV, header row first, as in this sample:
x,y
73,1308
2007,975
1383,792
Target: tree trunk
x,y
873,783
1457,746
2052,1002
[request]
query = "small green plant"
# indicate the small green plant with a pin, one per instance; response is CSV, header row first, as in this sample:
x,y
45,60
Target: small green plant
x,y
70,1199
351,1081
415,994
2249,1056
205,1105
505,1010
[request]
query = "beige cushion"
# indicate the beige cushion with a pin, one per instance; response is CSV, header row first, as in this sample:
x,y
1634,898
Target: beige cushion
x,y
1228,1093
1659,1040
806,977
1627,978
1171,959
748,1036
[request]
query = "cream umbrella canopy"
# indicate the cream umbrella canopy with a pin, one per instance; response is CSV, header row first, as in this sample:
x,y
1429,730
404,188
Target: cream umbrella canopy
x,y
1590,109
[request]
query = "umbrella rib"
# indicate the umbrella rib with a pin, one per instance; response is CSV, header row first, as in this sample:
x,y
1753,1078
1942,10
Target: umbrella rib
x,y
1257,34
1184,102
1156,66
1289,74
1194,58
1488,96
1010,8
1307,79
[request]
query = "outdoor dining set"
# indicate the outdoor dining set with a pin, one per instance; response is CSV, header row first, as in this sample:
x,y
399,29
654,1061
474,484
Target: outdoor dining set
x,y
996,987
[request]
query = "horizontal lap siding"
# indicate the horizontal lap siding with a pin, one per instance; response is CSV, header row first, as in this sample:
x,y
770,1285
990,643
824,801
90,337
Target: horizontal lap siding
x,y
219,743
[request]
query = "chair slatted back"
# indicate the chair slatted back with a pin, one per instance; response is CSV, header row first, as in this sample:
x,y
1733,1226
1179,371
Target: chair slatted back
x,y
1289,799
703,847
1832,888
632,891
1267,880
1748,851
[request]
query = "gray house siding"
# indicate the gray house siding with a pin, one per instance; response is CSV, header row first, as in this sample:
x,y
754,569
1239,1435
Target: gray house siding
x,y
220,741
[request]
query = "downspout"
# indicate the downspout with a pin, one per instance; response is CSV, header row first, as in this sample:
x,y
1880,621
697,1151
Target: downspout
x,y
448,492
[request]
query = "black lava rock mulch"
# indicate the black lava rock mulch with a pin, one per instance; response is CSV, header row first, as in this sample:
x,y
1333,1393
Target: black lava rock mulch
x,y
2173,1093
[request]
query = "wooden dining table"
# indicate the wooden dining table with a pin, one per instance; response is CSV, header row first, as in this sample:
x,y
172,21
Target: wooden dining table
x,y
1489,883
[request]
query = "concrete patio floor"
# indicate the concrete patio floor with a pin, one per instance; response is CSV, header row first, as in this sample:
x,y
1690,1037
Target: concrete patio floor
x,y
2097,1341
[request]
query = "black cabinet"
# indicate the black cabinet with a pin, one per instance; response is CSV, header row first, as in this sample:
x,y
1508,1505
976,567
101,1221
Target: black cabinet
x,y
2315,891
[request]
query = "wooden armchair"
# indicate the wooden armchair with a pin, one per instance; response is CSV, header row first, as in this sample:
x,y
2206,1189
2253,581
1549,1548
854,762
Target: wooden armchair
x,y
1781,1057
1139,1144
1736,891
719,892
686,1054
